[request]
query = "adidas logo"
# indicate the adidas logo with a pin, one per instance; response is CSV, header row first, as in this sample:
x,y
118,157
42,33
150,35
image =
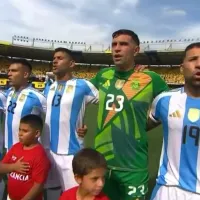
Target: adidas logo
x,y
176,114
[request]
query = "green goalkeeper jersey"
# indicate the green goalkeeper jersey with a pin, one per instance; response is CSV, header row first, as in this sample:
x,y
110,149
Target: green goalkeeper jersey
x,y
124,102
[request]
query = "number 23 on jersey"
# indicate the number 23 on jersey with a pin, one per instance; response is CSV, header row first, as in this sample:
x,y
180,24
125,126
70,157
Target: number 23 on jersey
x,y
111,99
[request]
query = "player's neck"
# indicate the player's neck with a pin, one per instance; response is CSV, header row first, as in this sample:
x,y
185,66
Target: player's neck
x,y
21,87
31,146
125,68
83,195
66,77
192,91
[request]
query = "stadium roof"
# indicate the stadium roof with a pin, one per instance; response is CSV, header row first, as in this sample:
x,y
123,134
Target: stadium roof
x,y
146,58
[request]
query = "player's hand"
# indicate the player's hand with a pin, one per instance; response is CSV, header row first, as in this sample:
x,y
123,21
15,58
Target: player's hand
x,y
21,167
82,131
141,68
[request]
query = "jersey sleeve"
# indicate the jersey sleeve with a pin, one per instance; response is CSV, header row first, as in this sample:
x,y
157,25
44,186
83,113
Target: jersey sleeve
x,y
91,93
7,157
41,107
156,109
41,168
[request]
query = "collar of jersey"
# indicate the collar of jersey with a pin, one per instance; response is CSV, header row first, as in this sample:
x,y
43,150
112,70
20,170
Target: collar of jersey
x,y
123,74
63,82
18,91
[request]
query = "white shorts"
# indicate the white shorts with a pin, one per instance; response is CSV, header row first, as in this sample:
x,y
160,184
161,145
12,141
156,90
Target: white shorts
x,y
53,180
162,192
64,167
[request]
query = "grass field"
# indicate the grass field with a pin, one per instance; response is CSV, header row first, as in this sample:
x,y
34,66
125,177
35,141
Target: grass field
x,y
155,142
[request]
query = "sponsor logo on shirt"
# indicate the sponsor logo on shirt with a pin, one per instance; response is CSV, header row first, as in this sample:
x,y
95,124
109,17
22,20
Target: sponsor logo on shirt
x,y
175,114
19,177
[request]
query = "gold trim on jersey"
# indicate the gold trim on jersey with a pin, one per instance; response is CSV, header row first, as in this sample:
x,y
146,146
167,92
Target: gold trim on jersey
x,y
69,88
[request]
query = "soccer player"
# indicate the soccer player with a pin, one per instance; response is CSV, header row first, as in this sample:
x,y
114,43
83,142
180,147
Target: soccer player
x,y
66,101
179,113
22,100
124,100
89,169
30,184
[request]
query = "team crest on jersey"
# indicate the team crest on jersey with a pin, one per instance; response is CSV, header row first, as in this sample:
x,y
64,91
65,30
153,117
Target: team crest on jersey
x,y
69,88
135,85
60,87
22,97
53,88
14,95
119,84
193,114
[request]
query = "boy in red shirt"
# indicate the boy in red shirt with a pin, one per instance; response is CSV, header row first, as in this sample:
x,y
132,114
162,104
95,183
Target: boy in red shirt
x,y
28,184
89,168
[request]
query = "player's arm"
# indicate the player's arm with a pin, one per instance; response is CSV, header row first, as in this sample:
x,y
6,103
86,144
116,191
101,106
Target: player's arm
x,y
91,93
155,113
34,192
40,172
19,166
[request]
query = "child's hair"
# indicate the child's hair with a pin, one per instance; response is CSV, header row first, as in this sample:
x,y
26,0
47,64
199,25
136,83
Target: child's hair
x,y
34,121
87,160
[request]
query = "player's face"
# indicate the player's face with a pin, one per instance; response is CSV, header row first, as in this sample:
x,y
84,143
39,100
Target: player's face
x,y
62,63
123,50
17,74
93,182
27,134
191,67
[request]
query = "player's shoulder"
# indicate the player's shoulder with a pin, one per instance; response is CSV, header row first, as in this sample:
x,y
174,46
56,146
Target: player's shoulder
x,y
107,73
32,92
170,93
18,145
70,193
152,74
2,94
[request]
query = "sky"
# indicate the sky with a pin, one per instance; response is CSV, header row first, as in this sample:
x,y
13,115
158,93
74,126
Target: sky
x,y
93,21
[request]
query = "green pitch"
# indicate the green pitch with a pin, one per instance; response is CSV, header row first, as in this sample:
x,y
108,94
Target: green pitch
x,y
155,142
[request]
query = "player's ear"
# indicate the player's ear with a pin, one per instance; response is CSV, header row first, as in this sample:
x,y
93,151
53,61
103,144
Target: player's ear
x,y
78,179
38,133
181,68
72,65
136,51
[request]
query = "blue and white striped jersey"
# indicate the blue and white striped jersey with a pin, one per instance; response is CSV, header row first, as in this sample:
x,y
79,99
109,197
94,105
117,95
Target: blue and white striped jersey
x,y
18,105
180,157
66,102
2,116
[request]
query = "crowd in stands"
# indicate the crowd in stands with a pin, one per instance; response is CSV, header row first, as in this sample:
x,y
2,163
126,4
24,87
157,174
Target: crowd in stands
x,y
171,75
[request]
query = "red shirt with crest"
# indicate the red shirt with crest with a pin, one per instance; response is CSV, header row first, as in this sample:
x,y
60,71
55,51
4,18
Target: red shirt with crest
x,y
20,184
71,195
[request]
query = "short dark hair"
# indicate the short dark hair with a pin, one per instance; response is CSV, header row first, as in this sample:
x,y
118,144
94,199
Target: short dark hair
x,y
191,46
87,160
34,121
65,50
133,35
23,62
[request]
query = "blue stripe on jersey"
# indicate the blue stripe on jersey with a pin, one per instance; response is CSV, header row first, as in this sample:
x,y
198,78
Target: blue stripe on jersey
x,y
76,106
32,101
55,116
165,113
189,151
155,190
10,112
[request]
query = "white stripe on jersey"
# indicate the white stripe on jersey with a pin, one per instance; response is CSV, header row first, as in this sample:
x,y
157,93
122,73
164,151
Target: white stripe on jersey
x,y
66,103
20,104
180,157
